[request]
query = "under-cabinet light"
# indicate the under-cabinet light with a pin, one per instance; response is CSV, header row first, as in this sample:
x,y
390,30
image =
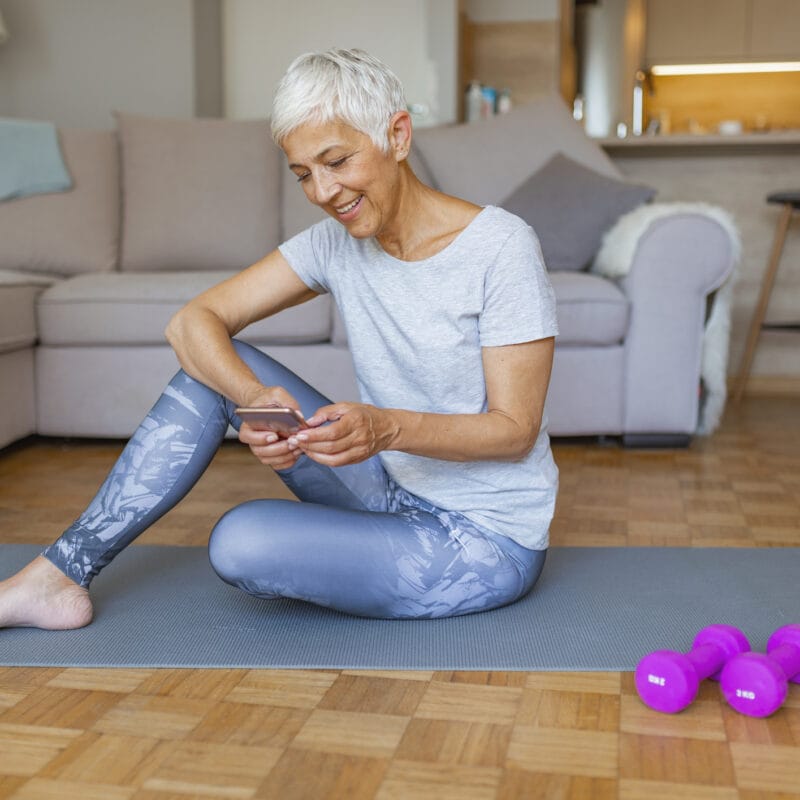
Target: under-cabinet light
x,y
722,69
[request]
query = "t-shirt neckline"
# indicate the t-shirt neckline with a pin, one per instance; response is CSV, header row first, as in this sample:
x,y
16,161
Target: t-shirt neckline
x,y
375,244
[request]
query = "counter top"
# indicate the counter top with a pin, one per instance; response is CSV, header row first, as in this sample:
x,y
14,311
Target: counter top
x,y
769,141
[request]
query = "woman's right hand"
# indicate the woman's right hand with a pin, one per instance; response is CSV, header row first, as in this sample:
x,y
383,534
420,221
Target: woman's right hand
x,y
267,446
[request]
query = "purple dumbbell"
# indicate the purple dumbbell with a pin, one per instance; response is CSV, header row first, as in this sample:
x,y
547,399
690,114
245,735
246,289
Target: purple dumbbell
x,y
668,681
756,684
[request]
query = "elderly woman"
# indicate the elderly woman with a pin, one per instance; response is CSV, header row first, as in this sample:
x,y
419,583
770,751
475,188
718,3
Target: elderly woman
x,y
430,498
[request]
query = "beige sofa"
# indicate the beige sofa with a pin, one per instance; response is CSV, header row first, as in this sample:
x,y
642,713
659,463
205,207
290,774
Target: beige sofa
x,y
162,209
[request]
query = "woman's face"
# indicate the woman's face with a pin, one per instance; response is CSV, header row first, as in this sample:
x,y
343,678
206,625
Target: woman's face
x,y
343,172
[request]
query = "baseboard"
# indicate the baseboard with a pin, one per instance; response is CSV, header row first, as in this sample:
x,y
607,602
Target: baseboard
x,y
768,385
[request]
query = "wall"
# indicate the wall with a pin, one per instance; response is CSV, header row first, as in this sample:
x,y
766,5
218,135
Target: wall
x,y
511,10
255,55
75,62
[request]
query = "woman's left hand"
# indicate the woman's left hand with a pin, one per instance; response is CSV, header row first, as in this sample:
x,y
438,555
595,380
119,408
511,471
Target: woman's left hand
x,y
355,432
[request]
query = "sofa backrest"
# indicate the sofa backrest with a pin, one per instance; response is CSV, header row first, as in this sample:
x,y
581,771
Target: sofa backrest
x,y
211,194
485,161
67,233
197,194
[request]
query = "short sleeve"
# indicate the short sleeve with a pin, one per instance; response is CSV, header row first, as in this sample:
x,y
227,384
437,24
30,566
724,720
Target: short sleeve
x,y
309,255
519,302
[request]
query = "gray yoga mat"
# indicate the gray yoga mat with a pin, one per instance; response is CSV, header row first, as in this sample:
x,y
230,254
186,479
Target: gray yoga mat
x,y
593,609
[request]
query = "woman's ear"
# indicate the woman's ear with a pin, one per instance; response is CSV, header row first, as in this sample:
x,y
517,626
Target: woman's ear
x,y
400,135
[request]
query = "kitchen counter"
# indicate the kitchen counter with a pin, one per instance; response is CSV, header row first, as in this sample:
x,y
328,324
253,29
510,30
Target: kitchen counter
x,y
787,141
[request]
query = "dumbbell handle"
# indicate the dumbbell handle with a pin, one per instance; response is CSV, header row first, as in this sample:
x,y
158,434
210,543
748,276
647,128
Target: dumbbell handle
x,y
787,657
707,659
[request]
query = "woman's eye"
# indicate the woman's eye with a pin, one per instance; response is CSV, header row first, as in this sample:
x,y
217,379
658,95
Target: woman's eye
x,y
338,162
301,178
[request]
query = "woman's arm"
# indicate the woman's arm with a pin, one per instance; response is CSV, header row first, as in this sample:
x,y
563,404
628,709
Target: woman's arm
x,y
517,377
200,333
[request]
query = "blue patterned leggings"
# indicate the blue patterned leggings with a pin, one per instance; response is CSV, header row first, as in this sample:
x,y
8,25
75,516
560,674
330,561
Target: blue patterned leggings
x,y
356,542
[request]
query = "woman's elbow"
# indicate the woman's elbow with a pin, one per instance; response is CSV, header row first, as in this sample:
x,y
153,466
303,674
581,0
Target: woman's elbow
x,y
523,443
173,329
181,322
525,448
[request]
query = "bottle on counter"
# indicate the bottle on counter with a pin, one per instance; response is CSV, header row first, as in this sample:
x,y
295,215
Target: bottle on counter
x,y
578,108
504,101
489,101
474,101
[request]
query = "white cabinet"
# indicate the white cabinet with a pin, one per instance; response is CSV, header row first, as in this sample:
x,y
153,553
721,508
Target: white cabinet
x,y
703,31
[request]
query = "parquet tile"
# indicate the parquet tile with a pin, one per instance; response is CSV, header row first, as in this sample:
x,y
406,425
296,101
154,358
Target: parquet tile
x,y
469,703
665,790
173,734
773,768
542,786
351,733
303,774
221,770
25,749
46,789
292,688
478,744
563,750
372,695
414,780
96,758
256,725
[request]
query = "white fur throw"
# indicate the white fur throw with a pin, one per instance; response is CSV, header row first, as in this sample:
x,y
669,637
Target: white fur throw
x,y
615,258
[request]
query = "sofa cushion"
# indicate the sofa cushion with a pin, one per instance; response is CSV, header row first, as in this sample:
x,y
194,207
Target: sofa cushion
x,y
134,309
69,232
197,194
571,207
485,161
591,310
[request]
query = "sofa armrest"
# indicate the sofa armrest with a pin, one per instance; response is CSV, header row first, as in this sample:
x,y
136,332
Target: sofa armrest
x,y
679,260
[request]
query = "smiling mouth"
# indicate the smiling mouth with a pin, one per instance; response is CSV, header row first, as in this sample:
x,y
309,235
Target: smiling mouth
x,y
350,207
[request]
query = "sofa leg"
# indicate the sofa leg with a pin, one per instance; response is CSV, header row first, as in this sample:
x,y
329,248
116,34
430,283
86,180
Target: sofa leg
x,y
656,440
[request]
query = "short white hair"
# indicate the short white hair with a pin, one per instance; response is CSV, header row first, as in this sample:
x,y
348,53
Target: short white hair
x,y
349,86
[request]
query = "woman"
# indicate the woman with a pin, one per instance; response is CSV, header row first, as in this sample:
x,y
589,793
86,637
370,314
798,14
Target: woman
x,y
433,496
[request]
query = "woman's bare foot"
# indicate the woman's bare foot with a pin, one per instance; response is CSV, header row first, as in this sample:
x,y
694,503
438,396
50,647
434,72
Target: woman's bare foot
x,y
41,596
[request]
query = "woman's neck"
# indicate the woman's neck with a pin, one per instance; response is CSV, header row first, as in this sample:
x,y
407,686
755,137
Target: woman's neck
x,y
425,220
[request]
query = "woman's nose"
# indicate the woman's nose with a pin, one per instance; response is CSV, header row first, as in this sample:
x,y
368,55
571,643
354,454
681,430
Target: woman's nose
x,y
325,187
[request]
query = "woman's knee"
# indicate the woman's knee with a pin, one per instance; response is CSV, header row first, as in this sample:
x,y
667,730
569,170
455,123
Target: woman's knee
x,y
193,396
231,540
241,539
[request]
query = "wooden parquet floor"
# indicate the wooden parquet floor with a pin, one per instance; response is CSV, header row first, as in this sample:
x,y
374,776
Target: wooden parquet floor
x,y
169,733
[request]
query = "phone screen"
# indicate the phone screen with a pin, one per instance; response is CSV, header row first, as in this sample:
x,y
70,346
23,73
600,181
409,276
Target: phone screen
x,y
280,420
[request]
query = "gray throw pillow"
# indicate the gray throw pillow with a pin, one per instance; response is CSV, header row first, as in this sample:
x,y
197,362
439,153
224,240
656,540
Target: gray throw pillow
x,y
570,207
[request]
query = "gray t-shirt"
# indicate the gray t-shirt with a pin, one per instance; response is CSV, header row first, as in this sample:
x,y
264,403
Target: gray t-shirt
x,y
416,329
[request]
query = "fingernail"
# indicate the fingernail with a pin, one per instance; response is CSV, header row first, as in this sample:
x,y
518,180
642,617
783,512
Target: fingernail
x,y
303,437
271,438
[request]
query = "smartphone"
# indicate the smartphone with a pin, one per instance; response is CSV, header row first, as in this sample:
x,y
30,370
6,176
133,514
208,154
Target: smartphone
x,y
283,421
